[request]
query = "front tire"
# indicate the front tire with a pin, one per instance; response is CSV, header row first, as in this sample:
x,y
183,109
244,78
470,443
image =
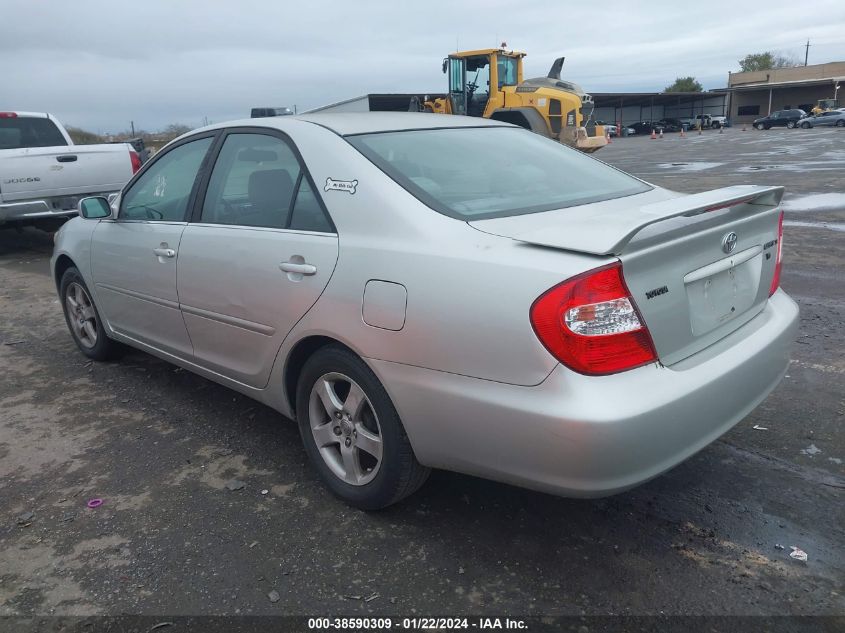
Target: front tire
x,y
82,318
840,123
805,126
352,432
760,126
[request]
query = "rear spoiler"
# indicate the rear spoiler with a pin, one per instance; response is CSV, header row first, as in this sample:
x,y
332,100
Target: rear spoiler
x,y
608,232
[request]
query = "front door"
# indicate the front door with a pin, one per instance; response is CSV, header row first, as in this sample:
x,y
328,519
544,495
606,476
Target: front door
x,y
134,257
457,85
259,256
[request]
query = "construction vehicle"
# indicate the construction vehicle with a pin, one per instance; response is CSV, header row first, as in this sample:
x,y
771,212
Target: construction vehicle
x,y
825,105
489,83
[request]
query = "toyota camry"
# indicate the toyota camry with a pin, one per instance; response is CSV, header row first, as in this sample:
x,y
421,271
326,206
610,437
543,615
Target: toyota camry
x,y
420,291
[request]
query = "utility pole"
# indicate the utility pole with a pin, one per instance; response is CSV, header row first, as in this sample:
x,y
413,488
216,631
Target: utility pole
x,y
806,51
132,125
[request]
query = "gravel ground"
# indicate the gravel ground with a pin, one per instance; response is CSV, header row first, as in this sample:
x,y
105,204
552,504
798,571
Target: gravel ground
x,y
158,444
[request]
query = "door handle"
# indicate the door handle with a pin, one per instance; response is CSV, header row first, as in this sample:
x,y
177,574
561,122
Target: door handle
x,y
164,252
302,269
67,158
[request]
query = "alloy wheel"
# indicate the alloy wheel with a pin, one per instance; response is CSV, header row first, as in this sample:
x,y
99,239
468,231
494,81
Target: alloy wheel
x,y
345,428
81,315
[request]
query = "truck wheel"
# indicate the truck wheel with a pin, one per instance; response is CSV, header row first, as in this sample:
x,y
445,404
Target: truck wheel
x,y
352,432
83,319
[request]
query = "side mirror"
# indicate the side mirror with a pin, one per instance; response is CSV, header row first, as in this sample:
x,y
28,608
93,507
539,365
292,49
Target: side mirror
x,y
94,208
445,65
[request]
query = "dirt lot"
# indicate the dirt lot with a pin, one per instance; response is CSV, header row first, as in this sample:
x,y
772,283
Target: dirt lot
x,y
158,444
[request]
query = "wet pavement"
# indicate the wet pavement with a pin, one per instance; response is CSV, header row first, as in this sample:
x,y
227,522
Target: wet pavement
x,y
158,445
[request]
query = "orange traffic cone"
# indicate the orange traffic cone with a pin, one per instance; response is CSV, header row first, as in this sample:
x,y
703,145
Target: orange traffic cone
x,y
743,128
721,129
699,130
609,136
653,134
683,134
661,133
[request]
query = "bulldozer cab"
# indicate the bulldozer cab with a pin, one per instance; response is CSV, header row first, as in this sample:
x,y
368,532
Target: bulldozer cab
x,y
477,80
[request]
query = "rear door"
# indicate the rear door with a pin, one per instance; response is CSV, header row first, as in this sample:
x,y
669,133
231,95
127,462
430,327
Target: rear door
x,y
134,257
260,251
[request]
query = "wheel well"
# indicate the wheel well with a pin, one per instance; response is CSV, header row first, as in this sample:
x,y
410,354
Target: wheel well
x,y
62,264
515,118
297,358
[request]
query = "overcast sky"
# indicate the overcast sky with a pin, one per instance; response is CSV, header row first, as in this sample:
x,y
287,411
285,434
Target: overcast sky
x,y
101,64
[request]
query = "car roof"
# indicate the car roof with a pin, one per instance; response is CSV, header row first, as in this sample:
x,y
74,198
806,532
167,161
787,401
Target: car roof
x,y
368,122
346,123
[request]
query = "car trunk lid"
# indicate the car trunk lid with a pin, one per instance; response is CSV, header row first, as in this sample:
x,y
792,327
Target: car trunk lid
x,y
697,266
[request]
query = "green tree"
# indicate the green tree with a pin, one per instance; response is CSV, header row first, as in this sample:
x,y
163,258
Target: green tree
x,y
684,84
765,61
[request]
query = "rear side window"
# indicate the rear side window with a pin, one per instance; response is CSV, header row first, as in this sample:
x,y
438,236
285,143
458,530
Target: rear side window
x,y
18,132
488,172
164,190
257,181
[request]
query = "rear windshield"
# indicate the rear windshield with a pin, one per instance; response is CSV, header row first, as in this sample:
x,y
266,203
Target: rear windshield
x,y
18,132
490,172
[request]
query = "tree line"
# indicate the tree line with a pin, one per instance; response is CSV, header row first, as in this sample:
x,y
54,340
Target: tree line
x,y
768,60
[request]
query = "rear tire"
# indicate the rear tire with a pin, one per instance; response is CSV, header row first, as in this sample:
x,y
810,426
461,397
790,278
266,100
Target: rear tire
x,y
352,432
759,126
83,319
805,126
790,124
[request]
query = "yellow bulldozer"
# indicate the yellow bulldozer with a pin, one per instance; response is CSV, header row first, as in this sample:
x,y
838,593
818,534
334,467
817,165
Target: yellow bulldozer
x,y
489,83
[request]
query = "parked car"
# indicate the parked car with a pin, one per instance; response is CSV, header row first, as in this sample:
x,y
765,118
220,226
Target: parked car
x,y
43,175
707,121
613,130
780,118
670,125
645,127
496,309
833,117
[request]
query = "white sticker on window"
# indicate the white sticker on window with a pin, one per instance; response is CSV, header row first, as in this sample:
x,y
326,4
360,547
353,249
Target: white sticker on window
x,y
340,185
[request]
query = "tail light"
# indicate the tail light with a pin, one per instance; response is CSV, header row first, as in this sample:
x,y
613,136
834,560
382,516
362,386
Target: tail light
x,y
591,325
136,161
779,261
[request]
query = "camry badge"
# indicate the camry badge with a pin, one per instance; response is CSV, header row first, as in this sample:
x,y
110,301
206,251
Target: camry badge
x,y
729,242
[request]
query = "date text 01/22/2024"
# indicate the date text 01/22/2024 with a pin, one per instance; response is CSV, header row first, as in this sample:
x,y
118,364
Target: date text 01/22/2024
x,y
418,623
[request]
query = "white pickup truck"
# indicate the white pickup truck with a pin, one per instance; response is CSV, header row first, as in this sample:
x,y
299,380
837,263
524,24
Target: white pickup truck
x,y
43,174
707,121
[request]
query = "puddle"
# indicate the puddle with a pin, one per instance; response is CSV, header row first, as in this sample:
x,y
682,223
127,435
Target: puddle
x,y
830,226
689,166
815,202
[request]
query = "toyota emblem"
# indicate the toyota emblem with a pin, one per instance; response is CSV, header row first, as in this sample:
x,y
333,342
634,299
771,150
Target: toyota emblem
x,y
729,242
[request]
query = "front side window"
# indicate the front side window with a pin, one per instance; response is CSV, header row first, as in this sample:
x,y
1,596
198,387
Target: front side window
x,y
164,190
487,172
257,181
506,68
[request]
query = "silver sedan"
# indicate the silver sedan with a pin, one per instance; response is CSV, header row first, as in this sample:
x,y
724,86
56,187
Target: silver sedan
x,y
833,117
422,291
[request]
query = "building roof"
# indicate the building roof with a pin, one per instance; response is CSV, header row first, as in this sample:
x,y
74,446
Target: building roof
x,y
610,99
788,84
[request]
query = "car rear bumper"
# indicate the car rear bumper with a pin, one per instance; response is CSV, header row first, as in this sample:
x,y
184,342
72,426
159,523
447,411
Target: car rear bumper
x,y
576,435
